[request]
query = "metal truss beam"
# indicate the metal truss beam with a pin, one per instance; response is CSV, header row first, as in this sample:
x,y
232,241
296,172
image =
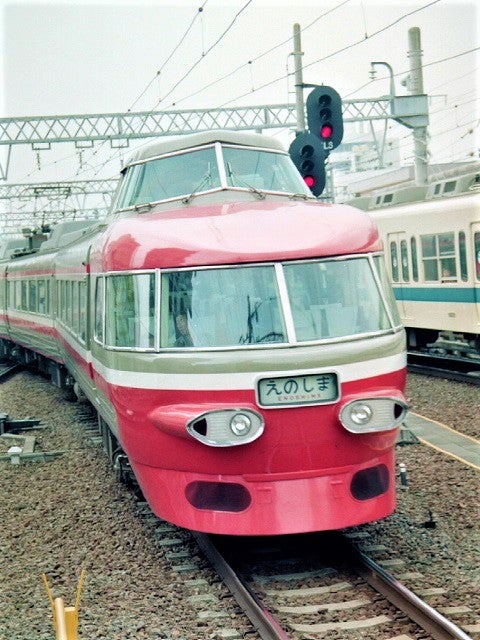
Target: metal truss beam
x,y
29,191
118,128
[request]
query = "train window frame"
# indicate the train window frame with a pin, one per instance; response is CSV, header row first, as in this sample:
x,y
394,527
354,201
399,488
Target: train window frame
x,y
404,260
439,257
124,190
99,310
476,248
133,327
414,257
393,250
462,255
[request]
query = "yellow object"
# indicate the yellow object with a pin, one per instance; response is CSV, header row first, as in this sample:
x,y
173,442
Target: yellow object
x,y
65,619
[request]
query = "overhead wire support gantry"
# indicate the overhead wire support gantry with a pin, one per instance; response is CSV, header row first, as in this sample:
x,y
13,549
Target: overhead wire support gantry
x,y
118,128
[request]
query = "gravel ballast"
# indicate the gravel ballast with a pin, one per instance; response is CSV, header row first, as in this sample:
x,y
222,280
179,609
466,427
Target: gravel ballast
x,y
69,513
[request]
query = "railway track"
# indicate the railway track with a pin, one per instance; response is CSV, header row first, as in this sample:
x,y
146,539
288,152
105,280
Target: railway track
x,y
328,588
449,367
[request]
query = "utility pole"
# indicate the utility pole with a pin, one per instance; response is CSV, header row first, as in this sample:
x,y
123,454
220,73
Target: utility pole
x,y
415,87
297,57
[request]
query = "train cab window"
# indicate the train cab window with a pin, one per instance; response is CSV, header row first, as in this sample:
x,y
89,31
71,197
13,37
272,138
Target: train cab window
x,y
462,252
449,186
332,299
172,176
394,261
413,252
99,308
130,311
220,307
260,169
404,260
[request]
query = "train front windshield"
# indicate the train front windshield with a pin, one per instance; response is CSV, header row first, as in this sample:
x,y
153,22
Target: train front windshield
x,y
242,306
214,167
289,303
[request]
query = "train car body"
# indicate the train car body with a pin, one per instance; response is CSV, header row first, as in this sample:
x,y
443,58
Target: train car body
x,y
433,256
241,341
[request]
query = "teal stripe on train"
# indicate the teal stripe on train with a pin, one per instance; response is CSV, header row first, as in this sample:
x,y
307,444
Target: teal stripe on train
x,y
438,294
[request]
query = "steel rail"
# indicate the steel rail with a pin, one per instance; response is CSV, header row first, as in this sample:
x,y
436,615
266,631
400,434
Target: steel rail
x,y
458,369
266,625
428,618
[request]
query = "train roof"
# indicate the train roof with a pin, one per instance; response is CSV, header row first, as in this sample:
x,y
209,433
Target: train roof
x,y
205,137
231,233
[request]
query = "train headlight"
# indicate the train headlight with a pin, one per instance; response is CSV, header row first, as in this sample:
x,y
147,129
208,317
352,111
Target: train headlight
x,y
226,427
240,424
360,413
371,415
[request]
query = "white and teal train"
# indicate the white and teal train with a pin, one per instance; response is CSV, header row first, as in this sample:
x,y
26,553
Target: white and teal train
x,y
431,238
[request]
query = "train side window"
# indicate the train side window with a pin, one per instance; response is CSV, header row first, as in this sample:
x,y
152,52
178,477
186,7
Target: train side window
x,y
48,303
18,294
394,261
429,257
24,298
448,265
99,287
130,311
41,297
404,258
476,240
462,252
75,308
83,310
413,251
32,296
11,294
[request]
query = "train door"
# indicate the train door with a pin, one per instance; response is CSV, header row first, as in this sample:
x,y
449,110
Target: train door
x,y
476,267
398,265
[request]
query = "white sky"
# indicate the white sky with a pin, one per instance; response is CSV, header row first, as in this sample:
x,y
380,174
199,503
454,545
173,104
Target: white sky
x,y
91,57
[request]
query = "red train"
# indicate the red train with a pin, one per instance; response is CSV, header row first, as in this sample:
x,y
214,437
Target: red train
x,y
238,339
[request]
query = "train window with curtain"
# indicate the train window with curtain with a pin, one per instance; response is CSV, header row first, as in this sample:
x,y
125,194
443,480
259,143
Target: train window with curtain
x,y
332,299
462,253
99,288
221,307
394,261
404,260
413,251
130,311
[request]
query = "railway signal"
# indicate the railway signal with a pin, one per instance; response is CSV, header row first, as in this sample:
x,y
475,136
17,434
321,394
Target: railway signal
x,y
324,116
308,156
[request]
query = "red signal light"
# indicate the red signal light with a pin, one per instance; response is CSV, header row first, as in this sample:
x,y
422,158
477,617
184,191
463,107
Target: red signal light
x,y
309,181
326,131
